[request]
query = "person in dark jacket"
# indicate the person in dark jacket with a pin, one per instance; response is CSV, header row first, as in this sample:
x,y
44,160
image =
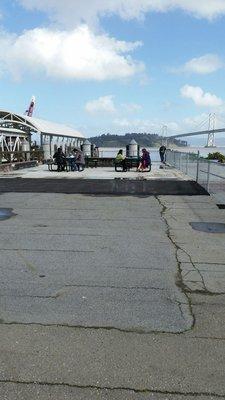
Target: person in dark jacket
x,y
60,159
162,151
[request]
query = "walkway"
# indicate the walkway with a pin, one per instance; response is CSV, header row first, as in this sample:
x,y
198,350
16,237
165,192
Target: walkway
x,y
111,298
96,173
100,181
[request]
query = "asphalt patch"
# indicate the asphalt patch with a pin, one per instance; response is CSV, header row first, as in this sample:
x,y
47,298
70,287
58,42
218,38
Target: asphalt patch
x,y
208,227
6,213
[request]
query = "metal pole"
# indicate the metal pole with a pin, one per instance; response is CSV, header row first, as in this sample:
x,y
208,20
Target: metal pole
x,y
187,162
208,176
198,163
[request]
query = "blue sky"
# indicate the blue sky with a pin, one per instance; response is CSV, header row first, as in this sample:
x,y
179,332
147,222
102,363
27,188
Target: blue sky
x,y
121,66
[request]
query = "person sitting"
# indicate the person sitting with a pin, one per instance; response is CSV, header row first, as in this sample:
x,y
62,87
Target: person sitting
x,y
72,161
96,152
79,160
121,160
60,159
145,161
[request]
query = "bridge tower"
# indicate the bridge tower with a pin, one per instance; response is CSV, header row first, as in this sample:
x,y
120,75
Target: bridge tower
x,y
164,134
211,135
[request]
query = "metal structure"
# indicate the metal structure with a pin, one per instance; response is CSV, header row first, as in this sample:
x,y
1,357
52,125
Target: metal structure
x,y
206,132
210,132
211,135
16,131
164,134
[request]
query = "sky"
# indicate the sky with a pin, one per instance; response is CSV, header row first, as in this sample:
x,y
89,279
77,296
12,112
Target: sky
x,y
115,66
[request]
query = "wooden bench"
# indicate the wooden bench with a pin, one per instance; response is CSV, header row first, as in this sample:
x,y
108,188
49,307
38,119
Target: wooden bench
x,y
53,166
91,162
130,163
50,164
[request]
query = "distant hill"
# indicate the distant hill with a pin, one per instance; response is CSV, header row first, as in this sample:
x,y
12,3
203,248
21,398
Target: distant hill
x,y
143,139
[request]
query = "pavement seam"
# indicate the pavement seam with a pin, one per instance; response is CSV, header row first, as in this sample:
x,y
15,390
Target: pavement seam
x,y
53,250
65,288
204,263
96,387
117,287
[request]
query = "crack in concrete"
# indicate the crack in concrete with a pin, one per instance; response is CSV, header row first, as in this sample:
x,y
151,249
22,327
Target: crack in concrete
x,y
113,388
179,281
195,269
205,291
198,291
187,273
185,288
138,331
180,304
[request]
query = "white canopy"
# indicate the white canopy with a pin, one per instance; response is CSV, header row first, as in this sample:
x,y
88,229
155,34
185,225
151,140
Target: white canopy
x,y
37,125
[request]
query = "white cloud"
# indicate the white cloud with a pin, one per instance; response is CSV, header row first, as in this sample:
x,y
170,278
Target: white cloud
x,y
202,65
200,98
104,104
122,122
75,12
75,54
131,107
144,125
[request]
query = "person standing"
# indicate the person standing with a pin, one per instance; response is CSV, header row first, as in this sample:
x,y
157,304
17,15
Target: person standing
x,y
162,151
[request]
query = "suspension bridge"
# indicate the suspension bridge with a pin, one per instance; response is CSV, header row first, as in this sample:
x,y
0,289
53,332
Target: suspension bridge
x,y
211,130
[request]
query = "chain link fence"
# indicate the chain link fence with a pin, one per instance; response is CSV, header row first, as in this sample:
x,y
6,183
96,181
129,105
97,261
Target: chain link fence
x,y
209,174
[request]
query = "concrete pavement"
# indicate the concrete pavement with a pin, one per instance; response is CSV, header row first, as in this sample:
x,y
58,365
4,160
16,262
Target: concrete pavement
x,y
111,298
41,172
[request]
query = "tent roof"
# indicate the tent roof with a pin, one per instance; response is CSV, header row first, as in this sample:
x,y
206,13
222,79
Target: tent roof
x,y
40,125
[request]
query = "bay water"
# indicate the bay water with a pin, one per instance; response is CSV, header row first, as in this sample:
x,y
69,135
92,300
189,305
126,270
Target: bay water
x,y
154,152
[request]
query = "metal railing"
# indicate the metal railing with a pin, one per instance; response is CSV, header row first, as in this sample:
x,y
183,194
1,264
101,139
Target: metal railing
x,y
21,156
208,173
